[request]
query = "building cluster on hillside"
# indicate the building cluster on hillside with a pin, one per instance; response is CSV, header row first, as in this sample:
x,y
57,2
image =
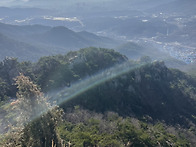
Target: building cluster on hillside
x,y
186,54
175,49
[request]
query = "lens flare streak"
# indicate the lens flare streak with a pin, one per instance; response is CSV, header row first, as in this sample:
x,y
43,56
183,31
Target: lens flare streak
x,y
78,88
68,93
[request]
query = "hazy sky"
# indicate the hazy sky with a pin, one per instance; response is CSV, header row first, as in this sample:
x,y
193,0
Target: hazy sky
x,y
12,2
67,4
51,3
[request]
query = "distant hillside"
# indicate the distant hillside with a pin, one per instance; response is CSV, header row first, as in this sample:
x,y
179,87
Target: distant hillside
x,y
56,36
98,40
20,50
64,37
30,42
135,51
21,32
61,36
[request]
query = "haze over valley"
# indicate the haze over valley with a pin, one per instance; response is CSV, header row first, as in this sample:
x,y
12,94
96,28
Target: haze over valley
x,y
168,25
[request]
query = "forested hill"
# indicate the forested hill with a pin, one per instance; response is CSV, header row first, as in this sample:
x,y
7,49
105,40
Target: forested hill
x,y
152,90
53,72
146,105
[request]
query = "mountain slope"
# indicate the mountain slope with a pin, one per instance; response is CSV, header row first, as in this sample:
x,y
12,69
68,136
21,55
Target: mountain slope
x,y
38,40
55,36
144,105
64,37
17,49
20,32
152,90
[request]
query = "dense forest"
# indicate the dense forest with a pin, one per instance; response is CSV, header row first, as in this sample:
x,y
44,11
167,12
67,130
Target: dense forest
x,y
145,104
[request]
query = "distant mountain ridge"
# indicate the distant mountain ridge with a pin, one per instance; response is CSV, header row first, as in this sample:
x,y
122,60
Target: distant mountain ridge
x,y
20,50
62,36
19,32
38,40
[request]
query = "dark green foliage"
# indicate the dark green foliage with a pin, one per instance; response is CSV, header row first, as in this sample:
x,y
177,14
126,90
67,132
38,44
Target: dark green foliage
x,y
54,72
99,58
153,90
145,59
4,90
8,71
59,71
151,93
84,128
42,130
